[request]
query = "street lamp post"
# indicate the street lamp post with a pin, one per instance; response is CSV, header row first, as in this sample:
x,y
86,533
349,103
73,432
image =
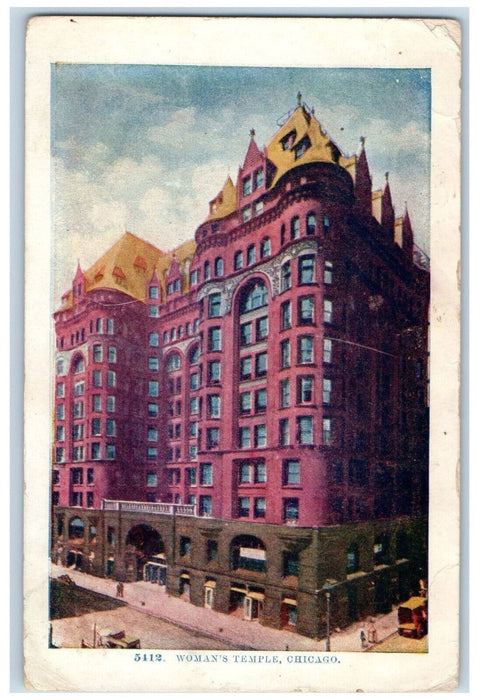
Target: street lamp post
x,y
328,614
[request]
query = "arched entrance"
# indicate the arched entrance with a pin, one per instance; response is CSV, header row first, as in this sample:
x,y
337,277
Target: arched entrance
x,y
145,553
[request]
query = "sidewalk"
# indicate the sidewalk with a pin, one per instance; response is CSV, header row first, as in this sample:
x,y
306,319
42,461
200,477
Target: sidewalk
x,y
153,600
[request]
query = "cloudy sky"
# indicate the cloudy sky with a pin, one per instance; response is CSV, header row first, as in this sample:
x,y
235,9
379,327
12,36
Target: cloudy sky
x,y
145,148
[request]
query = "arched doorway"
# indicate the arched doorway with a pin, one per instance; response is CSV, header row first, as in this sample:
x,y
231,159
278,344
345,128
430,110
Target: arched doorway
x,y
146,554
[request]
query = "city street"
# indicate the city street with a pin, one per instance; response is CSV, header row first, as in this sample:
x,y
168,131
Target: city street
x,y
164,621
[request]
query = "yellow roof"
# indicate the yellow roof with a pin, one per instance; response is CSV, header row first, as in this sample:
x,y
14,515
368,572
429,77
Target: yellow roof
x,y
129,265
301,125
224,203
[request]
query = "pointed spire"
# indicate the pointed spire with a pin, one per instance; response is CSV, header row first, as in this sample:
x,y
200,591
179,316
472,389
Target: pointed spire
x,y
363,182
407,235
387,210
252,133
299,96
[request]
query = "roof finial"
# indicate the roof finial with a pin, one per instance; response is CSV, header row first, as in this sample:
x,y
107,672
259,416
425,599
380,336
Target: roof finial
x,y
312,111
299,96
386,174
252,133
362,140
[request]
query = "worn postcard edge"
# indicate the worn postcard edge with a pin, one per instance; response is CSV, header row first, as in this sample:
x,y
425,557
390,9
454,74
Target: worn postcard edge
x,y
324,42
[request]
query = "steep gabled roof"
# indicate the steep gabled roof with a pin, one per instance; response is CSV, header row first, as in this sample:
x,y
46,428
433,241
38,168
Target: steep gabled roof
x,y
224,203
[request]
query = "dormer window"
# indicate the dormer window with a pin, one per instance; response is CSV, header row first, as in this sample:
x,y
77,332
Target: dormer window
x,y
153,292
247,186
288,140
302,147
258,179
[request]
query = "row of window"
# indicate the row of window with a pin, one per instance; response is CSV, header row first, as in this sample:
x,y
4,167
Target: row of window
x,y
95,452
180,332
101,325
96,429
256,436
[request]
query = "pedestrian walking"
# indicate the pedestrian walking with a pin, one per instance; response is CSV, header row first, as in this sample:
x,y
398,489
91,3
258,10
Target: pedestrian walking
x,y
362,637
372,634
119,590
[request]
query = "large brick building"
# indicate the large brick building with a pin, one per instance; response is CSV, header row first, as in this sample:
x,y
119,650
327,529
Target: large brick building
x,y
244,420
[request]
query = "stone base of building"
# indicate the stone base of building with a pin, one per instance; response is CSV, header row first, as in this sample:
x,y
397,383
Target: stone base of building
x,y
279,575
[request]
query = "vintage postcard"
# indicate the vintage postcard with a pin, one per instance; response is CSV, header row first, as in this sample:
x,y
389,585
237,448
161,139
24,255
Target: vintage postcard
x,y
242,354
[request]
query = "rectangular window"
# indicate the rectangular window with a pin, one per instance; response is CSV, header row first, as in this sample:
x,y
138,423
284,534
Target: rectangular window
x,y
306,311
60,433
110,326
177,430
153,388
328,311
97,353
238,260
153,340
78,409
260,473
259,507
90,475
77,498
260,435
305,349
326,224
211,550
291,474
261,328
96,402
152,434
305,430
245,473
96,426
99,325
77,431
327,431
193,432
284,437
305,389
284,393
214,371
78,454
291,509
60,454
306,269
245,402
247,186
194,381
153,292
152,410
214,305
285,354
110,451
261,364
111,378
243,507
212,437
153,364
61,390
194,405
245,436
251,255
192,451
286,276
258,208
55,498
79,389
61,411
154,311
213,406
245,368
191,476
328,272
152,453
246,333
260,400
285,315
206,474
152,479
327,350
326,390
247,214
96,377
206,506
214,339
95,450
258,179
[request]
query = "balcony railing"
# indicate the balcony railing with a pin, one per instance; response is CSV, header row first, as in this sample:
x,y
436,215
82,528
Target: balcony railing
x,y
153,508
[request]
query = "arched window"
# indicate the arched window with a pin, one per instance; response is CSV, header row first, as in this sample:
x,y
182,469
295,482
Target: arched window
x,y
265,248
250,255
79,365
295,231
238,260
254,296
311,224
174,362
219,267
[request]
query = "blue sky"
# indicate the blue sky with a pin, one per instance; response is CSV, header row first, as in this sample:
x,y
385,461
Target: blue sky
x,y
145,148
